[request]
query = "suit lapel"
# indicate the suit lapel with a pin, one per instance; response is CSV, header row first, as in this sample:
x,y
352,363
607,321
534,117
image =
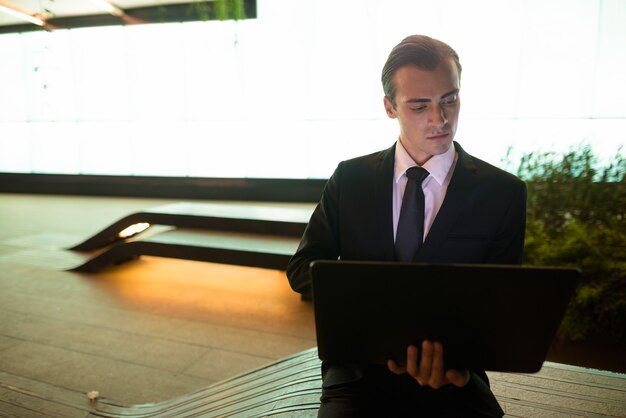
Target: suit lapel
x,y
459,192
383,199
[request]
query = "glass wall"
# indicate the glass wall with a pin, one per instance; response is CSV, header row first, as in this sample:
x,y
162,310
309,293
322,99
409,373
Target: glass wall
x,y
295,91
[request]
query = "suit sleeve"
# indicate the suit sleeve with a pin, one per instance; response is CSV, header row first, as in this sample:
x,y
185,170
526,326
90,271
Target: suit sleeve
x,y
320,239
508,245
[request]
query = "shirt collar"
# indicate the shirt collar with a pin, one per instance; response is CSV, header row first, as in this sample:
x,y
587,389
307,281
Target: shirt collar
x,y
438,165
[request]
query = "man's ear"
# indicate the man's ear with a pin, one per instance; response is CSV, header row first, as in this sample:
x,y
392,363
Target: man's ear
x,y
391,112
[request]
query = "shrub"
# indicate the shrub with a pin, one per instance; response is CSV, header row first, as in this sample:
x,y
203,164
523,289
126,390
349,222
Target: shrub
x,y
576,218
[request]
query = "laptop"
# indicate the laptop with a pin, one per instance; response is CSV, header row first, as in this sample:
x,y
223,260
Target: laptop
x,y
488,317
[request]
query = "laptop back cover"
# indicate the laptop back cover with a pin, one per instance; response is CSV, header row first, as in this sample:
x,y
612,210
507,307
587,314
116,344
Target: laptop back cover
x,y
500,318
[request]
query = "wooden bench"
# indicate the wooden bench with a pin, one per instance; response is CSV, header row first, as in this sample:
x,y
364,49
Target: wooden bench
x,y
254,235
291,388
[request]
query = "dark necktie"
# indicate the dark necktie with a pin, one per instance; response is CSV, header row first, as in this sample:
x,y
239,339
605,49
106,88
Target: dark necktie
x,y
410,230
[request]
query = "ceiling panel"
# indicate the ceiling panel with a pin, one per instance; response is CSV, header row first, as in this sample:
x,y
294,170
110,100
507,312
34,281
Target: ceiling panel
x,y
81,13
71,8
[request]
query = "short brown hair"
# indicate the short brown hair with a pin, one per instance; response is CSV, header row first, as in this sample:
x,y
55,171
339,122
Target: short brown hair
x,y
420,51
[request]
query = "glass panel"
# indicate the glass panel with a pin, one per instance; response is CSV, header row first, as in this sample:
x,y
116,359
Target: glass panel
x,y
610,88
15,147
12,80
295,91
100,67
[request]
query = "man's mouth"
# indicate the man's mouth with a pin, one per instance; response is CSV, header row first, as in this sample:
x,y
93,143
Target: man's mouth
x,y
442,135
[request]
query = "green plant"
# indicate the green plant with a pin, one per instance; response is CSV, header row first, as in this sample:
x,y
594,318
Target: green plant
x,y
230,9
219,9
576,212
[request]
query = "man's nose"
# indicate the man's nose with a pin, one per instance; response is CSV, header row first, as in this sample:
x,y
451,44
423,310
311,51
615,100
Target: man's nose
x,y
438,117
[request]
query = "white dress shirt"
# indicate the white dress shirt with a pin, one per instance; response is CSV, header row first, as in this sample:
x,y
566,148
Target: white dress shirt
x,y
440,167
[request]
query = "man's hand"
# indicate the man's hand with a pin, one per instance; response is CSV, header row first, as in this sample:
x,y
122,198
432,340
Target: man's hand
x,y
429,371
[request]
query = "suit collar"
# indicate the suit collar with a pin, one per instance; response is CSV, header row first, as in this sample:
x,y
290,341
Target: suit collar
x,y
438,165
383,199
465,160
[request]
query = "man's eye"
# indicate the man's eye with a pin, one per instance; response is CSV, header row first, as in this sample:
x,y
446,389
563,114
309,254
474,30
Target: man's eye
x,y
418,108
449,100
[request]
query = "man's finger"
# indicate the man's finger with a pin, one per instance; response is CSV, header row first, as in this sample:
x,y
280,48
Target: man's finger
x,y
395,368
426,362
437,374
412,355
458,378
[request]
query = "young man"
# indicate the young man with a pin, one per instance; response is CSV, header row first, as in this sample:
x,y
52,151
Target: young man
x,y
473,213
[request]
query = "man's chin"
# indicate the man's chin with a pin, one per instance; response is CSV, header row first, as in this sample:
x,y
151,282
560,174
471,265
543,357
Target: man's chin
x,y
439,146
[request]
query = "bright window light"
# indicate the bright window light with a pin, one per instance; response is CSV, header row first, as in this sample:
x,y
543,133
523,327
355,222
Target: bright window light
x,y
292,93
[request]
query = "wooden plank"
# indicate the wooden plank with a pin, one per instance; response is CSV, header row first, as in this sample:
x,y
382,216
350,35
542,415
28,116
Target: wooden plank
x,y
10,410
587,390
556,401
215,306
106,342
562,391
253,386
83,373
40,399
566,371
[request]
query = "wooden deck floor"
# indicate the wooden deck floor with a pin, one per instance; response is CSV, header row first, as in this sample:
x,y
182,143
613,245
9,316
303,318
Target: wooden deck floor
x,y
159,330
146,331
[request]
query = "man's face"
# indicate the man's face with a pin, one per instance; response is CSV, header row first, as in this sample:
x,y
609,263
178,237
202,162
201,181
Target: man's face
x,y
427,109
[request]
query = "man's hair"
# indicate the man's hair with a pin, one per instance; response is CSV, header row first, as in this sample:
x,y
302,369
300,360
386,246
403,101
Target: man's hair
x,y
419,51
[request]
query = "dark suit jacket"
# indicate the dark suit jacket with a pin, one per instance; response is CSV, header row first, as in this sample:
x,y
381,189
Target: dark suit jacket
x,y
482,219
